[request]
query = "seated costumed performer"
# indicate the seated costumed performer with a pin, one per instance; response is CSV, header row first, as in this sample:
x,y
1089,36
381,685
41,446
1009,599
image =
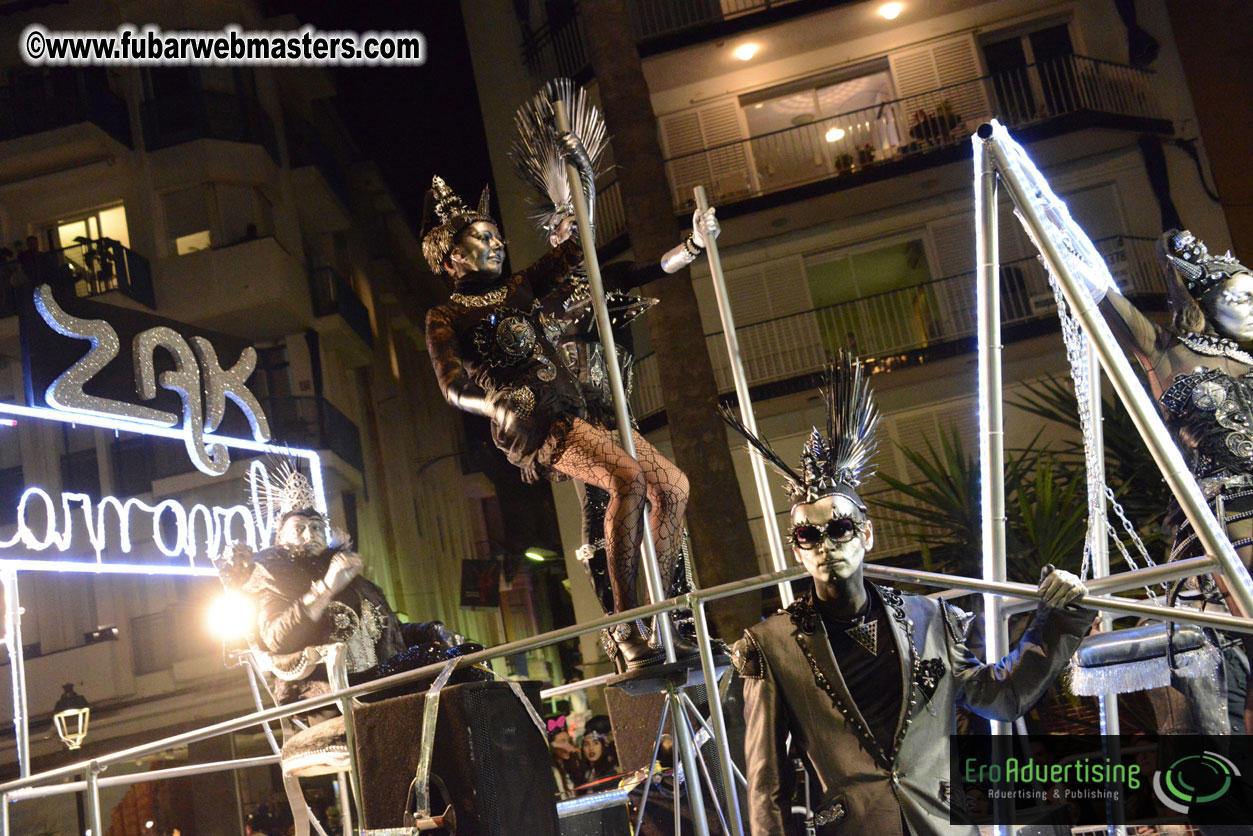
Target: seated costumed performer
x,y
865,678
496,355
309,593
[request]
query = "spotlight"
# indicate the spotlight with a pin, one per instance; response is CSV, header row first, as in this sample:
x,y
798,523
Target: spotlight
x,y
835,134
745,52
890,11
539,555
230,615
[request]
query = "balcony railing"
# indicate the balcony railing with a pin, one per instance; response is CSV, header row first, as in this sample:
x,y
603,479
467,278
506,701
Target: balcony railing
x,y
610,213
92,268
912,126
895,322
207,114
305,148
332,294
300,422
31,104
315,423
557,47
653,18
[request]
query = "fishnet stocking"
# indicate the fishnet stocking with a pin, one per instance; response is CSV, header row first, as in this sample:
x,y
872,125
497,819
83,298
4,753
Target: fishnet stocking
x,y
592,454
668,491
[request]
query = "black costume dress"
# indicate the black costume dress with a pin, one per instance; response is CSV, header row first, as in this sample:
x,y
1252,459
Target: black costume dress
x,y
376,643
497,336
1208,412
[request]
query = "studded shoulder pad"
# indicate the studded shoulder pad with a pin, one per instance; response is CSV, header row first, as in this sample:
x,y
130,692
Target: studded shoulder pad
x,y
746,656
956,620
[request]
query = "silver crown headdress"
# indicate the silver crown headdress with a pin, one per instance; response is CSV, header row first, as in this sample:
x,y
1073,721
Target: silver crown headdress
x,y
1191,261
537,154
444,216
281,490
839,461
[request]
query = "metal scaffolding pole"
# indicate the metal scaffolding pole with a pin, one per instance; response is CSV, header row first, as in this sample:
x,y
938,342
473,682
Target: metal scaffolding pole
x,y
991,428
1098,540
94,816
997,144
778,555
652,572
17,668
717,719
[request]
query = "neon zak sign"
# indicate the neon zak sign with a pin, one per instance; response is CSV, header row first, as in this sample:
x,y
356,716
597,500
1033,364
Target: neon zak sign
x,y
174,388
197,378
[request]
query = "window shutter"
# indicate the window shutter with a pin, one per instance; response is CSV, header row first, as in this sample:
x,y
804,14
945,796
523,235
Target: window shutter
x,y
680,135
919,73
720,125
953,240
724,172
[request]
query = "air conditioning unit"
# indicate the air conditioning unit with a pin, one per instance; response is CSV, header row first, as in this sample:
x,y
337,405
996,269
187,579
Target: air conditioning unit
x,y
1043,303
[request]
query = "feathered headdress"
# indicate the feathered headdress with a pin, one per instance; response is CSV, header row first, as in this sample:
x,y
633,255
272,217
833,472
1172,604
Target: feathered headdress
x,y
444,216
537,155
1188,256
839,461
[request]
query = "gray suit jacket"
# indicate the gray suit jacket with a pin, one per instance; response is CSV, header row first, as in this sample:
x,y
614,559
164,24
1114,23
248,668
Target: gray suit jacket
x,y
792,684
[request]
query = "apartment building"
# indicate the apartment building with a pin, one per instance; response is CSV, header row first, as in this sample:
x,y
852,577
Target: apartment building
x,y
228,200
834,138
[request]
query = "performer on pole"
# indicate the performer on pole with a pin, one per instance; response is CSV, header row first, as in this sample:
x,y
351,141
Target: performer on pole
x,y
1198,370
539,152
864,678
495,354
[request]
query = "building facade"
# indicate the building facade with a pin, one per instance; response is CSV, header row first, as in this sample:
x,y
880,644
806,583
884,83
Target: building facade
x,y
230,199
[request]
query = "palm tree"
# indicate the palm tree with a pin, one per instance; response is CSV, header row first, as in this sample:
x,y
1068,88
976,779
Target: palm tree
x,y
1045,509
717,521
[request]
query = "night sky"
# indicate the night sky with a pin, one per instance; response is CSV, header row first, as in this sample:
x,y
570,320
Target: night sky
x,y
412,121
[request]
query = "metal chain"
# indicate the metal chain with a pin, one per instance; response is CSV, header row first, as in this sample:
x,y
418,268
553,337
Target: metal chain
x,y
1099,493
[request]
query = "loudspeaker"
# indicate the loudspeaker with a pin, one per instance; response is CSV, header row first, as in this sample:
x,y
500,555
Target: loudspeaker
x,y
488,753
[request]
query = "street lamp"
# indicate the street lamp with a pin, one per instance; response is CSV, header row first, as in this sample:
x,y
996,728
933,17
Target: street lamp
x,y
70,716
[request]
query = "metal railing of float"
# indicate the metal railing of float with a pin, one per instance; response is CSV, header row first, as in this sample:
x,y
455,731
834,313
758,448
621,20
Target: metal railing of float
x,y
45,784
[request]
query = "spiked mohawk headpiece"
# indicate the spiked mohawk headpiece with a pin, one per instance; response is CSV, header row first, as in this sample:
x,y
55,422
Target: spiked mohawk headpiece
x,y
1187,256
537,155
838,461
444,216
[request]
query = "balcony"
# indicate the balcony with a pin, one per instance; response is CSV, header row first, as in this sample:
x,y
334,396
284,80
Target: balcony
x,y
93,268
319,179
300,422
334,296
885,328
556,48
207,114
254,289
930,128
35,103
314,423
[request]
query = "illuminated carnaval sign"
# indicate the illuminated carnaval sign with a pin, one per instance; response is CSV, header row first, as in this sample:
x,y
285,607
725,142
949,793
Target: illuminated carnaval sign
x,y
199,532
146,375
196,377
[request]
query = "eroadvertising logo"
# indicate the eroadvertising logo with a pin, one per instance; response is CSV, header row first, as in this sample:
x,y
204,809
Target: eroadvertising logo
x,y
1090,780
1195,780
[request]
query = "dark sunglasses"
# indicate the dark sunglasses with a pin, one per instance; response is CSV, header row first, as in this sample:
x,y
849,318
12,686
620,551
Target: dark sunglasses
x,y
840,529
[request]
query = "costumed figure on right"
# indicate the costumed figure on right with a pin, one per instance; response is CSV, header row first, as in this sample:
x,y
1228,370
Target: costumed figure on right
x,y
1199,371
865,679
